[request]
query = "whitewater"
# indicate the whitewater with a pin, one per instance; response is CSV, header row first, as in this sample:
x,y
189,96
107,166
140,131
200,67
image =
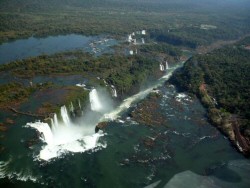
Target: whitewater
x,y
64,136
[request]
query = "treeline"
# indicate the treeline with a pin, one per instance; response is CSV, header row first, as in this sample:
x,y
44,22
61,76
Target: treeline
x,y
173,39
194,36
142,5
22,19
122,71
161,48
13,93
224,75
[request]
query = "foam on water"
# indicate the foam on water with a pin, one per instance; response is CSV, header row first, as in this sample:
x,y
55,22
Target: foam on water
x,y
64,136
24,175
44,129
139,96
181,97
65,139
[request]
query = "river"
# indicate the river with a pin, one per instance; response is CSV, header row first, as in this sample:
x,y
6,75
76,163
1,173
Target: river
x,y
32,46
186,151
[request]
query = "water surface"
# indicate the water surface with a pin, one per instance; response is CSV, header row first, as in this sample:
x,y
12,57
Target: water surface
x,y
31,47
187,151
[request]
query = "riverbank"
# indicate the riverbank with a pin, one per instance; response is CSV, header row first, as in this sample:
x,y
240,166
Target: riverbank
x,y
220,79
228,123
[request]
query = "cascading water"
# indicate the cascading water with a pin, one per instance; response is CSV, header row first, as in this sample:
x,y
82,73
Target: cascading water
x,y
114,93
64,136
43,128
54,122
71,107
139,96
161,67
95,101
67,137
167,67
65,116
79,104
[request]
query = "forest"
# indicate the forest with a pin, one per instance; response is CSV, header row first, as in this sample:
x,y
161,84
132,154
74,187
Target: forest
x,y
125,72
179,23
224,75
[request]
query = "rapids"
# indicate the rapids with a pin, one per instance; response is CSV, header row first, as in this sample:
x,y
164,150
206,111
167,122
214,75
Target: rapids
x,y
185,151
64,136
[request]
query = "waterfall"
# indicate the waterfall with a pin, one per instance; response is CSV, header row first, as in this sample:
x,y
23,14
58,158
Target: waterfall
x,y
47,135
65,116
55,122
114,93
139,96
64,136
167,67
71,107
95,101
129,38
143,41
161,67
79,103
52,124
68,137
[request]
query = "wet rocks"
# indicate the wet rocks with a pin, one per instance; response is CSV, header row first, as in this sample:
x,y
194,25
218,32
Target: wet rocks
x,y
147,112
100,125
148,142
3,127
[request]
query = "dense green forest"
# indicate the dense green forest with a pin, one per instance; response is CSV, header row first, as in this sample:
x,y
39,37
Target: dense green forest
x,y
179,22
223,74
125,72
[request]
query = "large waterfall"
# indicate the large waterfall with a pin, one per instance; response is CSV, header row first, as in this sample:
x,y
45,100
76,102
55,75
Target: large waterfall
x,y
95,101
139,96
45,131
65,136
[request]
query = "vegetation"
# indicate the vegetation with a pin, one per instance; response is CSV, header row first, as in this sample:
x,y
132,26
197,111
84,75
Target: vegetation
x,y
161,48
122,71
221,79
13,93
174,22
